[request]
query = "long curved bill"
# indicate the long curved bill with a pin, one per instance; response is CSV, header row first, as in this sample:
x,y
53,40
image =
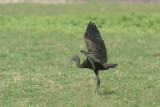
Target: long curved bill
x,y
67,63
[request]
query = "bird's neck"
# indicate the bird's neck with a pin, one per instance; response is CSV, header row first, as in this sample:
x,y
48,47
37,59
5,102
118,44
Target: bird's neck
x,y
78,63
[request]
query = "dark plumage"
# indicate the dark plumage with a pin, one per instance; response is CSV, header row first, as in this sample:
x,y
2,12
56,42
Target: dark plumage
x,y
96,55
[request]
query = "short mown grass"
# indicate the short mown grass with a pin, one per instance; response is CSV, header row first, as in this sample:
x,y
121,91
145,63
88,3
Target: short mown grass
x,y
36,40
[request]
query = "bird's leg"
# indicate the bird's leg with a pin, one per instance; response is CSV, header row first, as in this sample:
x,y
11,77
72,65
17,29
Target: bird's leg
x,y
98,82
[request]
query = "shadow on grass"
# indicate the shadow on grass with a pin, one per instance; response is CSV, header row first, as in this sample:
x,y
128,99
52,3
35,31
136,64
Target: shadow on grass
x,y
107,92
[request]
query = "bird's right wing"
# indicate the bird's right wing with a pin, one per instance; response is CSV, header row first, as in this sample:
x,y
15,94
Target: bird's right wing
x,y
92,59
95,43
92,63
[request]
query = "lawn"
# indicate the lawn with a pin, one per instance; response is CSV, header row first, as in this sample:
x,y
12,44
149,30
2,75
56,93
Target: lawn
x,y
36,40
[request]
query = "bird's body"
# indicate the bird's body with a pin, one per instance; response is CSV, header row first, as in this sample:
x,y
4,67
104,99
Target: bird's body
x,y
96,55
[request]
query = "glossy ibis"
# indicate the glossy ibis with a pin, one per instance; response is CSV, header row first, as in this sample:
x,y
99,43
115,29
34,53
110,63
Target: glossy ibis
x,y
96,55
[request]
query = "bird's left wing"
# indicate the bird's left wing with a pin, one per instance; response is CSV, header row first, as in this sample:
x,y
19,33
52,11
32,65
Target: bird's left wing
x,y
95,43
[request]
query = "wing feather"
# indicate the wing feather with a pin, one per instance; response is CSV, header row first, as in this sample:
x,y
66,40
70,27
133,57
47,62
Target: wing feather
x,y
95,43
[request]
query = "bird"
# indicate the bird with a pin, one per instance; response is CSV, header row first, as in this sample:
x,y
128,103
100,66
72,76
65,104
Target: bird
x,y
96,55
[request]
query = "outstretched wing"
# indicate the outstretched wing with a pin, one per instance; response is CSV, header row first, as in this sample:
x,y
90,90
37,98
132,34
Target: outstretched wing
x,y
95,43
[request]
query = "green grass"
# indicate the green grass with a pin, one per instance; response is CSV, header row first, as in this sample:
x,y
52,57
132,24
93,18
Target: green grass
x,y
36,40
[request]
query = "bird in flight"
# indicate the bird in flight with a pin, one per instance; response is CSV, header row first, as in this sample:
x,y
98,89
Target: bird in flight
x,y
96,56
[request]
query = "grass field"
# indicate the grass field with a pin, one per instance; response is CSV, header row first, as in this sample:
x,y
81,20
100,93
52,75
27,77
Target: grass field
x,y
37,39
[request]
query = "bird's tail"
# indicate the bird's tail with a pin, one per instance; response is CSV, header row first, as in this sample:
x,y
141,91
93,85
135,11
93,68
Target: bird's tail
x,y
111,65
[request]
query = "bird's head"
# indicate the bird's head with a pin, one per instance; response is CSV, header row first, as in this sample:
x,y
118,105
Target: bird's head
x,y
74,58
